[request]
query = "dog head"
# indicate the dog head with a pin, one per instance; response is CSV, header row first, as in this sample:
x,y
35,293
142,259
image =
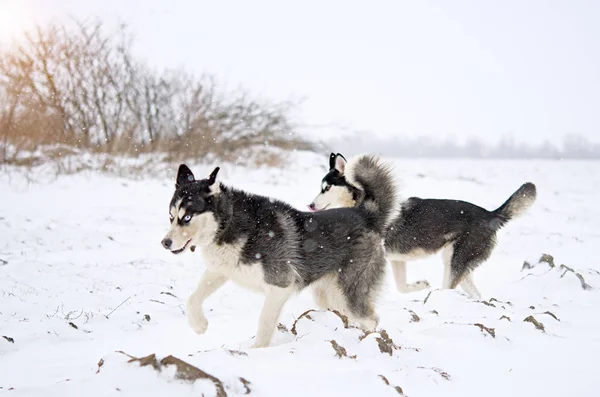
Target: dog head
x,y
335,190
192,211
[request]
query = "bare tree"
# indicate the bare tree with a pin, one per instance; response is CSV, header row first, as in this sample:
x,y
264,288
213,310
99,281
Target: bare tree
x,y
81,86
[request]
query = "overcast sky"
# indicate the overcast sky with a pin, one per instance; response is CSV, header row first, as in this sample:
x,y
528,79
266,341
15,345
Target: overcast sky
x,y
438,68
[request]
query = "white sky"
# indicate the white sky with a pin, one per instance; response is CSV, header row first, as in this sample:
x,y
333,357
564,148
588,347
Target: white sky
x,y
428,67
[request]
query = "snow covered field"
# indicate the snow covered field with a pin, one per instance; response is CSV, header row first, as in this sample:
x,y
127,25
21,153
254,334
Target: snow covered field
x,y
83,275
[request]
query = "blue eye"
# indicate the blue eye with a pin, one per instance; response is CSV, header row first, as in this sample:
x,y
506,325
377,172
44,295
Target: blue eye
x,y
187,218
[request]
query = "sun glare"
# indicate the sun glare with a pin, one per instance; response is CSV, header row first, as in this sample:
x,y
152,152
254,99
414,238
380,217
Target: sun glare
x,y
13,19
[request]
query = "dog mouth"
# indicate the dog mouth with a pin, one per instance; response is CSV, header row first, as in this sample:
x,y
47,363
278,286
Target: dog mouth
x,y
179,251
315,209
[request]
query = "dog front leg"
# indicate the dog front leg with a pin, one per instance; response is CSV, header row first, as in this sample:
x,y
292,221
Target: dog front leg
x,y
209,283
274,300
399,271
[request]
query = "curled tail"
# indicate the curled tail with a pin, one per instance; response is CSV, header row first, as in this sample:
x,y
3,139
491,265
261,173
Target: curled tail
x,y
374,178
516,204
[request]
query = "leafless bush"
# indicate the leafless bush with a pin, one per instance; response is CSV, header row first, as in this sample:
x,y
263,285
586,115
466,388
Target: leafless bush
x,y
79,85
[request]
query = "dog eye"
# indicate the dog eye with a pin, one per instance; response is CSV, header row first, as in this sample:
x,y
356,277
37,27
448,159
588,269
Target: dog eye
x,y
327,188
171,218
187,218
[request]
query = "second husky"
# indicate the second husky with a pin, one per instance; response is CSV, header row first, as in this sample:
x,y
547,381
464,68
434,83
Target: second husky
x,y
466,233
268,246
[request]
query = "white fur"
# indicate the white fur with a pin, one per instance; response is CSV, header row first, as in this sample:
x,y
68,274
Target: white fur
x,y
447,253
415,254
328,295
335,197
222,264
468,285
519,206
200,230
215,188
209,283
350,175
399,271
340,164
275,299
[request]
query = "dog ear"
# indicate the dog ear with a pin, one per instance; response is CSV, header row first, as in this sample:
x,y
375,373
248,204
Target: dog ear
x,y
332,161
213,183
339,163
184,175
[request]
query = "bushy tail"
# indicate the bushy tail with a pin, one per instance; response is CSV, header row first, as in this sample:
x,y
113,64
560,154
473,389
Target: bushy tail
x,y
516,204
374,178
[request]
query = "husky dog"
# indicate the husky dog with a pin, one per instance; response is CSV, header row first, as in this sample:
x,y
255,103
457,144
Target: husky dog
x,y
464,232
270,247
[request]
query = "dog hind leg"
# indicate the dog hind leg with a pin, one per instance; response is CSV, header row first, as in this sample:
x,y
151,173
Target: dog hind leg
x,y
360,289
468,253
320,292
274,300
469,287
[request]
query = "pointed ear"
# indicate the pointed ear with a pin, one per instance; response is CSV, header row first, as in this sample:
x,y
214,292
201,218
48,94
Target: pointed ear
x,y
184,175
332,161
340,163
213,183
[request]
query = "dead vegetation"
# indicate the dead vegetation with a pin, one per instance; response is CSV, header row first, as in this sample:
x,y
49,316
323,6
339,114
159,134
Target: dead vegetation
x,y
443,374
74,88
385,343
537,324
484,329
184,370
567,269
414,318
551,315
427,297
549,260
306,315
340,351
387,382
500,302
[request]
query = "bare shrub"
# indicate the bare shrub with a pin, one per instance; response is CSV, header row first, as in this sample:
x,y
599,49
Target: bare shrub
x,y
79,85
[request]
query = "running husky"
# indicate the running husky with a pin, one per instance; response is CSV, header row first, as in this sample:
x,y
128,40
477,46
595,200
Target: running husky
x,y
464,232
270,247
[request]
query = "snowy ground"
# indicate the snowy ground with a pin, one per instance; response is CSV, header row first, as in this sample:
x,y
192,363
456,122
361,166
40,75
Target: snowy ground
x,y
82,276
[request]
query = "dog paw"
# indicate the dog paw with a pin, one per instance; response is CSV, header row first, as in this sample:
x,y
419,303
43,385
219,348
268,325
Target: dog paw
x,y
197,322
368,324
259,345
421,284
414,287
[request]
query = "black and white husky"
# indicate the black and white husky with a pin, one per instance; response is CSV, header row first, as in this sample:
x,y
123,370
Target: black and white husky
x,y
464,232
270,247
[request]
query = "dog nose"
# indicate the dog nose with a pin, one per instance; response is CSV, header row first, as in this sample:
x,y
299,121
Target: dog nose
x,y
167,243
311,206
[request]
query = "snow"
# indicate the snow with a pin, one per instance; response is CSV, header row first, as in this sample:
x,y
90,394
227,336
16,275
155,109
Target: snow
x,y
84,251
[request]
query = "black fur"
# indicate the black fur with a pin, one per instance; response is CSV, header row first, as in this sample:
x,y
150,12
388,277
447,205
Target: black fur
x,y
294,246
428,225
